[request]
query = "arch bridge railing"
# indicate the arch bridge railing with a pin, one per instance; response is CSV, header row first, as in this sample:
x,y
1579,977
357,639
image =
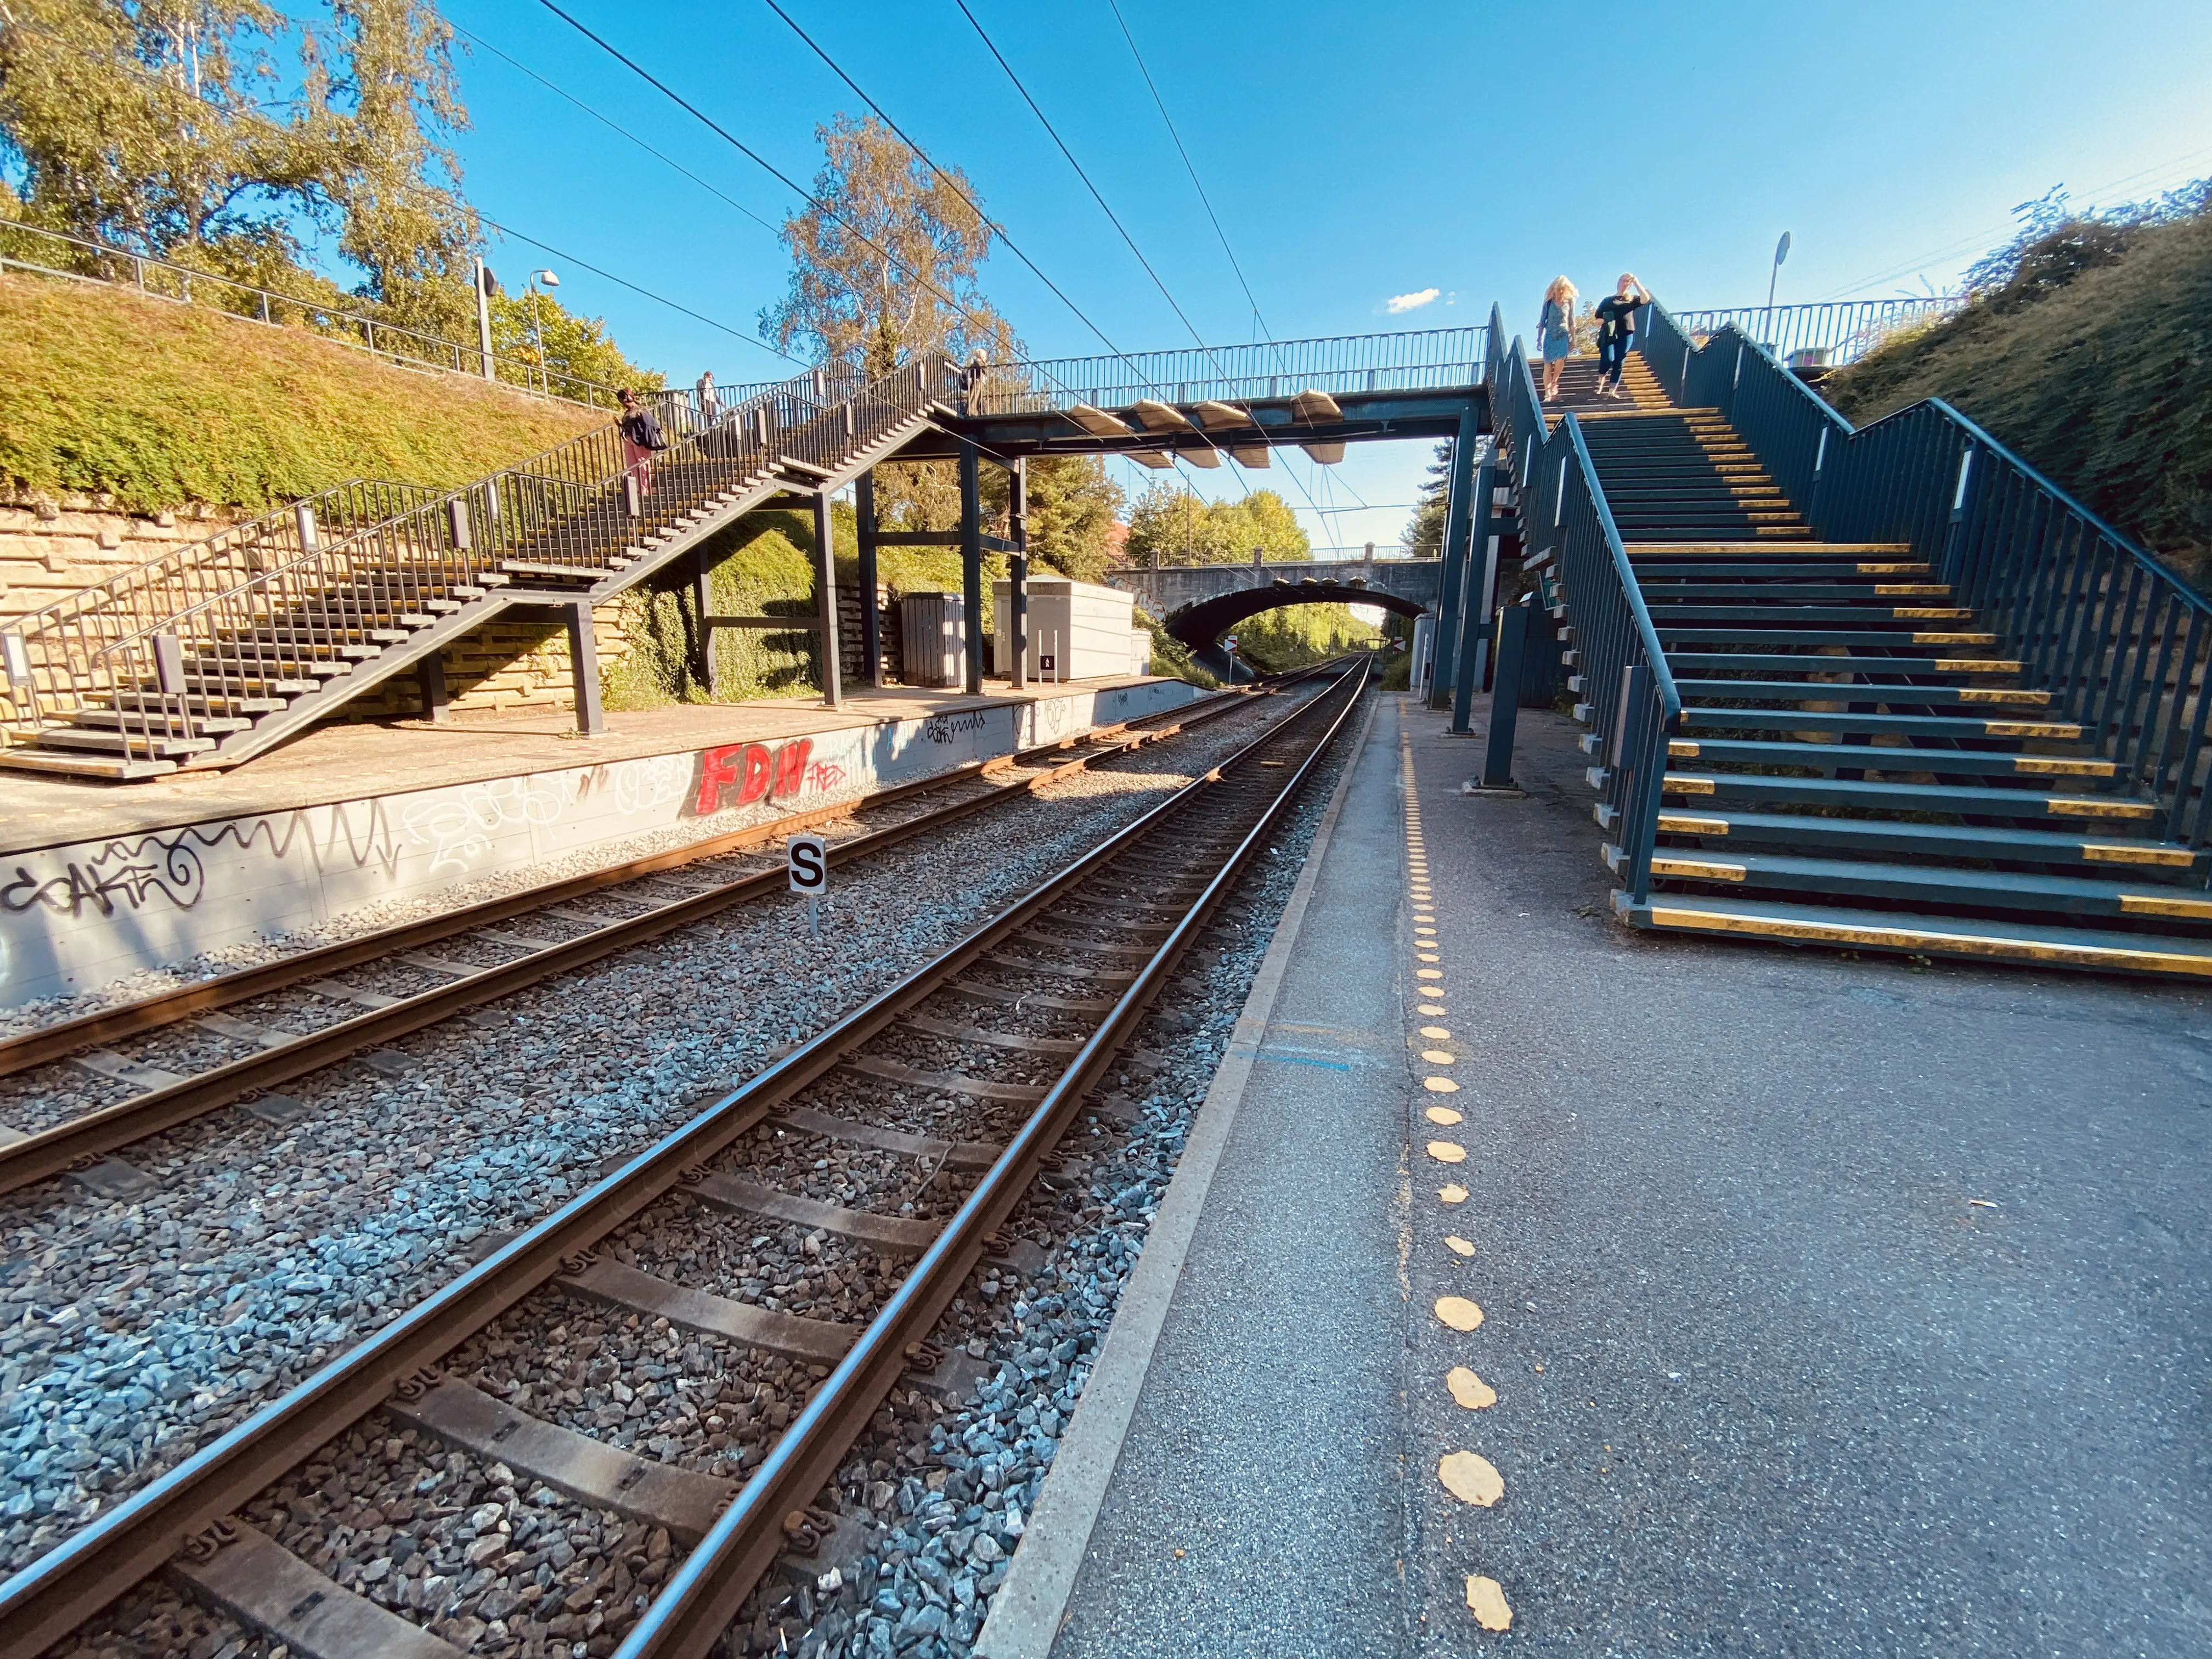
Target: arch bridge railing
x,y
2123,645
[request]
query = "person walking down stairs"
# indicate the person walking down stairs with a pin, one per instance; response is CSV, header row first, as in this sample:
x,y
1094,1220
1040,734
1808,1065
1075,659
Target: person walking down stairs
x,y
642,440
1616,331
1555,333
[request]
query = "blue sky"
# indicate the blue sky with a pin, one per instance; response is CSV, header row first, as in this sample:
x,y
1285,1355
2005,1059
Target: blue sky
x,y
1352,153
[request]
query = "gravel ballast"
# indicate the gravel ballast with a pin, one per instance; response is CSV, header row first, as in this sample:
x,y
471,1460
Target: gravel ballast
x,y
131,1332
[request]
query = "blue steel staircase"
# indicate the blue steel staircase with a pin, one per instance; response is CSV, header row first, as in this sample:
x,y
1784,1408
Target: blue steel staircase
x,y
1817,741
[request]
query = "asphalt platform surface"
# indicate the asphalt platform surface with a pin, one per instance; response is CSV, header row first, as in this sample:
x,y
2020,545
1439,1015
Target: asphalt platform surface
x,y
1832,1305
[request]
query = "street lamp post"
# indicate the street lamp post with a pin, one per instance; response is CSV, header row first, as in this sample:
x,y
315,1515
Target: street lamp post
x,y
537,333
1781,253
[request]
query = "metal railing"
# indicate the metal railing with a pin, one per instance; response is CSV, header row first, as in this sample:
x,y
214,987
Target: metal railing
x,y
1426,360
80,260
1826,335
1634,704
230,618
2124,646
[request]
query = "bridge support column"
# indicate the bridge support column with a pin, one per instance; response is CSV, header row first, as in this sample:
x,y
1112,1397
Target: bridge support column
x,y
1481,599
1458,517
584,669
971,565
826,594
702,587
871,665
1017,570
430,683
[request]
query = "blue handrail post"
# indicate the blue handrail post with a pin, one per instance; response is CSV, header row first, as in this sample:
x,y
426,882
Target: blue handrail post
x,y
1505,696
1635,770
1481,598
1459,516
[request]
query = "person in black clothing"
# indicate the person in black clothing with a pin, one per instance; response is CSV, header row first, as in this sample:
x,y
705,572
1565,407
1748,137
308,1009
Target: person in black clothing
x,y
641,441
1616,328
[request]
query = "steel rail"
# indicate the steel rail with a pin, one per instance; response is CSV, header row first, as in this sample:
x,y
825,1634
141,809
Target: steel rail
x,y
73,1581
702,1598
56,1042
56,1150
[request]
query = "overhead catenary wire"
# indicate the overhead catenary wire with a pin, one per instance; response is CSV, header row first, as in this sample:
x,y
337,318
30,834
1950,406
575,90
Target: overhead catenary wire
x,y
624,282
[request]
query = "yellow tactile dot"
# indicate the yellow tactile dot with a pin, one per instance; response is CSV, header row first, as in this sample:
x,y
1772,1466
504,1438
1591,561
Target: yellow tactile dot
x,y
1457,1245
1485,1600
1458,1312
1447,1152
1470,1390
1443,1114
1454,1193
1435,1031
1429,972
1426,955
1439,1056
1440,1086
1429,1007
1471,1478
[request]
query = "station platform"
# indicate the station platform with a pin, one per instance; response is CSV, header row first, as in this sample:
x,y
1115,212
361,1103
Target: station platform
x,y
100,880
1756,1301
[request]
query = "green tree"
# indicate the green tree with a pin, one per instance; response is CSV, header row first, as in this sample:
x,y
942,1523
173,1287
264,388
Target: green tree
x,y
886,269
1072,506
1170,525
222,132
1424,537
574,345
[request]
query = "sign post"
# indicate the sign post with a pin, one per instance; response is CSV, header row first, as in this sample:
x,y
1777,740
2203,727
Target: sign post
x,y
807,861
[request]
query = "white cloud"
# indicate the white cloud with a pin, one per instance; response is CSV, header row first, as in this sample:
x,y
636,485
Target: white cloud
x,y
1403,302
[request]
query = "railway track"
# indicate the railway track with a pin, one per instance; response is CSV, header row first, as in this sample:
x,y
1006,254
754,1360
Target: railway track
x,y
952,1089
188,1056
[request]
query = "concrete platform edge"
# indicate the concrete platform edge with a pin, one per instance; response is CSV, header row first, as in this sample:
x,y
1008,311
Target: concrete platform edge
x,y
1026,1613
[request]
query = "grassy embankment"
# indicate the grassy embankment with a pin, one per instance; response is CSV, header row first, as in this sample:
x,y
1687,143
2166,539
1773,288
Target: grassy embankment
x,y
2104,383
161,407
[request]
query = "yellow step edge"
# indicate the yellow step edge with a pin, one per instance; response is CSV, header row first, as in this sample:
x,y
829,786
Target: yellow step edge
x,y
1696,869
1923,636
1976,666
1986,693
2145,958
2097,806
2161,904
1907,590
2063,767
1675,824
2138,852
1930,613
2060,729
1894,570
1682,783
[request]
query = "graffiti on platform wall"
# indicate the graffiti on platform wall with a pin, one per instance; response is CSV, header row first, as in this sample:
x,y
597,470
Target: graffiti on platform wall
x,y
168,869
739,773
950,728
458,825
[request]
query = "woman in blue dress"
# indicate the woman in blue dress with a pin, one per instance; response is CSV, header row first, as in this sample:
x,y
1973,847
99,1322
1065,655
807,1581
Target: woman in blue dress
x,y
1555,333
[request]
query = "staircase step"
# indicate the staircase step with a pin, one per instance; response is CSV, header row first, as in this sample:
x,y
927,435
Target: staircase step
x,y
136,721
1743,751
1921,884
1768,592
1806,830
1795,565
1670,636
1696,665
1863,795
2014,940
1860,691
1925,725
117,770
587,574
116,743
1807,616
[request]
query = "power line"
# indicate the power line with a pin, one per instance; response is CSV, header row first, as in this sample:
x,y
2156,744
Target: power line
x,y
661,298
610,123
1169,121
751,155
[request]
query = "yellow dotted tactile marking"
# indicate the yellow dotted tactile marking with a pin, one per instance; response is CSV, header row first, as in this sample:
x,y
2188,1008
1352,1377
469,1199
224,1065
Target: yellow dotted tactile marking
x,y
1468,1476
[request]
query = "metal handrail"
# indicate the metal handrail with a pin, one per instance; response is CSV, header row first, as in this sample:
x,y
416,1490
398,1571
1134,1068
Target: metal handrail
x,y
1632,702
141,669
1416,360
378,336
1838,331
2122,643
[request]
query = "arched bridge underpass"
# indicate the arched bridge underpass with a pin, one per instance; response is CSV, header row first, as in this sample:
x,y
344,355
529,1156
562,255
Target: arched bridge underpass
x,y
1200,603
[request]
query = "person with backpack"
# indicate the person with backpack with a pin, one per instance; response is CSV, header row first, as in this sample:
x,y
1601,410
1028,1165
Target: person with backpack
x,y
1555,333
641,441
1616,330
